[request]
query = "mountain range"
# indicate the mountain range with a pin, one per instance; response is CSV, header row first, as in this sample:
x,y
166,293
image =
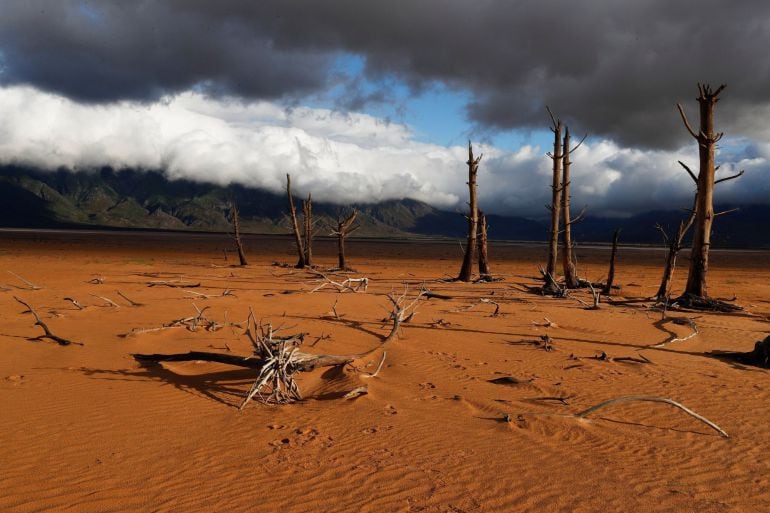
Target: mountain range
x,y
129,199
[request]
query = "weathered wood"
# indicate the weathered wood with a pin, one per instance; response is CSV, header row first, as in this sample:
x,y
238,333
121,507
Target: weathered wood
x,y
466,270
664,400
482,245
568,261
704,208
307,214
237,235
344,228
295,225
555,207
48,334
611,273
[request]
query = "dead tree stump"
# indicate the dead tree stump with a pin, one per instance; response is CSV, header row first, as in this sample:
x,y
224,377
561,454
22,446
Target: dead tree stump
x,y
482,245
466,271
295,225
237,236
611,273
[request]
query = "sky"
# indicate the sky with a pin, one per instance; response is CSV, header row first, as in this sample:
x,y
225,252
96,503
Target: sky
x,y
374,100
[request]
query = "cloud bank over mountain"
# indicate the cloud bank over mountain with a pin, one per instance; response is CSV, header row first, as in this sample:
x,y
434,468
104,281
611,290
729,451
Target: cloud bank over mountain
x,y
344,157
614,68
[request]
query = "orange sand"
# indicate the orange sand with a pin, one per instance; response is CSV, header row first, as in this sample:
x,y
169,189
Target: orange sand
x,y
86,429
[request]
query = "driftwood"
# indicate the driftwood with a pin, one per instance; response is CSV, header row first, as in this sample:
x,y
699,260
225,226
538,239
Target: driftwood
x,y
583,414
191,323
689,322
173,284
107,300
348,285
31,285
130,301
74,302
278,359
48,334
226,292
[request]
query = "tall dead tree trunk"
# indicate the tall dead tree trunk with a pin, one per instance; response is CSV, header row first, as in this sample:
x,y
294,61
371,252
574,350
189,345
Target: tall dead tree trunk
x,y
343,230
607,290
704,208
466,271
295,225
307,214
568,262
555,207
674,245
237,235
482,245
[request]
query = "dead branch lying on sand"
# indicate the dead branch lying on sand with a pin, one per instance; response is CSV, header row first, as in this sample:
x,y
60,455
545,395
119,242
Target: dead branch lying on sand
x,y
348,285
604,357
130,301
481,301
674,338
39,322
226,292
544,343
278,358
31,285
107,300
583,414
173,284
74,302
191,323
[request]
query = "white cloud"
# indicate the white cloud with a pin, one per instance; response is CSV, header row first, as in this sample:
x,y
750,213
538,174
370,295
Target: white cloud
x,y
342,157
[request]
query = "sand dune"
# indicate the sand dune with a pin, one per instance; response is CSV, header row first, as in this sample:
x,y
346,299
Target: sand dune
x,y
87,429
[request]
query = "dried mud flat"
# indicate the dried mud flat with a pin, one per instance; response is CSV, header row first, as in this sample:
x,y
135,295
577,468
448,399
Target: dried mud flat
x,y
87,428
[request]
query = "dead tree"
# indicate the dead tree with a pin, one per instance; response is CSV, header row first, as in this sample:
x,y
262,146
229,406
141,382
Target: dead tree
x,y
482,245
607,290
343,230
674,245
295,225
555,206
237,235
704,205
466,271
570,273
307,215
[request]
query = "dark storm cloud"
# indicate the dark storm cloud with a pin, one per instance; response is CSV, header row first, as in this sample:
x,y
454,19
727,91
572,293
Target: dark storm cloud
x,y
614,68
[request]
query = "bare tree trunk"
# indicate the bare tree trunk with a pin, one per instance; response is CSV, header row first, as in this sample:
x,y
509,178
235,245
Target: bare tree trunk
x,y
295,225
607,290
555,208
307,212
466,271
674,246
482,244
342,231
570,274
704,209
237,236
